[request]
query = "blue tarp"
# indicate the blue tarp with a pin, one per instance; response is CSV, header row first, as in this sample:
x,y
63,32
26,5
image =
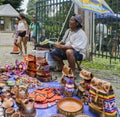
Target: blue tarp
x,y
53,110
108,16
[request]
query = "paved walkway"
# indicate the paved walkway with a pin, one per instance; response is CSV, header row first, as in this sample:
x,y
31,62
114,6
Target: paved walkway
x,y
6,39
6,46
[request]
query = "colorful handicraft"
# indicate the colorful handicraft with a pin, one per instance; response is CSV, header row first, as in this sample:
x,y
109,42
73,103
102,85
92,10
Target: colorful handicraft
x,y
68,81
9,68
28,81
102,98
27,108
30,61
83,89
20,68
43,71
45,97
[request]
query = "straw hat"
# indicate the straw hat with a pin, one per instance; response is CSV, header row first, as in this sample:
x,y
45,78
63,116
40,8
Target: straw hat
x,y
66,71
86,74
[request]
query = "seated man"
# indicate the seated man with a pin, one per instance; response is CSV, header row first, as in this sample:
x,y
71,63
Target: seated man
x,y
73,45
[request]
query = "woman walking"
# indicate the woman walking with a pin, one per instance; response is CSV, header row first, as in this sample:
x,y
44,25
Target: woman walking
x,y
23,34
15,36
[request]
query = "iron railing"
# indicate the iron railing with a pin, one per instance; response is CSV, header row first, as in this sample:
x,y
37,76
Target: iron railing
x,y
106,39
53,14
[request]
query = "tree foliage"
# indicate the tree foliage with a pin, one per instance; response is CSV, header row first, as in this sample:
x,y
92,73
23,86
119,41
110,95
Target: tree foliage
x,y
14,3
31,7
114,4
1,2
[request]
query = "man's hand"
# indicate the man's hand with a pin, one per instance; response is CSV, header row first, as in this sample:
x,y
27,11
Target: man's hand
x,y
58,45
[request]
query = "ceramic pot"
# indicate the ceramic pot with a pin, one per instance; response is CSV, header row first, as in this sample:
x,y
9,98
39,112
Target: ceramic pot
x,y
28,105
6,95
7,103
9,111
22,93
82,115
16,115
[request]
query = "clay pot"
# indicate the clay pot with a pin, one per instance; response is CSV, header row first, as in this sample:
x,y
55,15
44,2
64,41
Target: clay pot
x,y
3,69
16,115
14,90
22,93
6,95
0,99
82,115
7,103
9,111
28,105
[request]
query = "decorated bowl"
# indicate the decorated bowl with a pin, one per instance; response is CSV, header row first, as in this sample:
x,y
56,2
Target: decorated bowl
x,y
70,106
58,115
82,115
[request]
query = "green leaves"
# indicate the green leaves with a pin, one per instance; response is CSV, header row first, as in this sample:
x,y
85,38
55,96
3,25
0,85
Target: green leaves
x,y
14,3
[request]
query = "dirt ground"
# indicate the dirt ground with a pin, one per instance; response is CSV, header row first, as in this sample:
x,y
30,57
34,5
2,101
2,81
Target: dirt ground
x,y
6,46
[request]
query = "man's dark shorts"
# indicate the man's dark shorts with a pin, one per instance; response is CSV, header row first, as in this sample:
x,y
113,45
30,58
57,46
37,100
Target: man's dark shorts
x,y
61,54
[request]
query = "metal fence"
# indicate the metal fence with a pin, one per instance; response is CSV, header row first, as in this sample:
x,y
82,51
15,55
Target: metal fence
x,y
54,15
106,38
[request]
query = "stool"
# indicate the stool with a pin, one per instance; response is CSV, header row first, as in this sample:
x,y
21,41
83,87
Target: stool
x,y
78,63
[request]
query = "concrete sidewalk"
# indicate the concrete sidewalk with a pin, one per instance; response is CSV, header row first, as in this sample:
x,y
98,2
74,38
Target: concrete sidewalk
x,y
6,46
6,39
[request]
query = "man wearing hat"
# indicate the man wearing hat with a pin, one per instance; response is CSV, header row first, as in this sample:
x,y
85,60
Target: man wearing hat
x,y
73,45
33,27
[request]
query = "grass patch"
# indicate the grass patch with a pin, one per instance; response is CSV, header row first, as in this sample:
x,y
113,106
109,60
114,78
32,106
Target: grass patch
x,y
100,63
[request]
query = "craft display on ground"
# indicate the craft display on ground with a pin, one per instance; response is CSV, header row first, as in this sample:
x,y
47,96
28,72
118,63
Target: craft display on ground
x,y
84,86
28,86
70,106
68,81
102,98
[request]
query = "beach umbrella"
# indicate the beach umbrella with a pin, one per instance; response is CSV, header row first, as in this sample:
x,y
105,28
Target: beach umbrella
x,y
96,6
